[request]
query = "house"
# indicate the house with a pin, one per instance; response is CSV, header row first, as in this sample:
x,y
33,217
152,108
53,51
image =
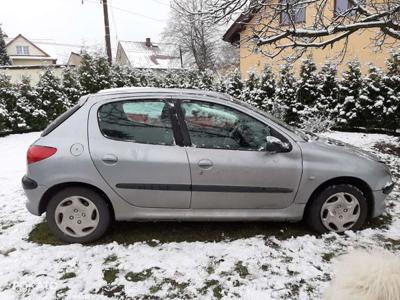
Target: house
x,y
149,55
23,52
74,59
358,46
29,57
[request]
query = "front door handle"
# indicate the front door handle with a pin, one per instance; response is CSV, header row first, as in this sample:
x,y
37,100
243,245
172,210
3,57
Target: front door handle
x,y
109,159
205,164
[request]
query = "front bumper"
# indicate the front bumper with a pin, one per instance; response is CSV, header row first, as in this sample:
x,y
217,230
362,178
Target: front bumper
x,y
388,188
379,199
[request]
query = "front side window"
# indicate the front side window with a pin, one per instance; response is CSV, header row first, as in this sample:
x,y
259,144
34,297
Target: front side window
x,y
293,12
145,122
220,127
22,50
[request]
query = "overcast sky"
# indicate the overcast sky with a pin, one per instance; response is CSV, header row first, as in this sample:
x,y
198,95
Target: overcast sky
x,y
70,21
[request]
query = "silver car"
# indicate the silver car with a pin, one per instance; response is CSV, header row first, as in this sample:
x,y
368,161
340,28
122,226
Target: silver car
x,y
169,154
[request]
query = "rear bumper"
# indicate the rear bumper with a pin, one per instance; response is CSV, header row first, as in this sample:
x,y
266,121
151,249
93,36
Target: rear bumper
x,y
28,183
34,193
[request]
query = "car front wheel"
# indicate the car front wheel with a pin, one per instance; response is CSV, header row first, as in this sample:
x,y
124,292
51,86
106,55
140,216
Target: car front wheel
x,y
78,215
338,208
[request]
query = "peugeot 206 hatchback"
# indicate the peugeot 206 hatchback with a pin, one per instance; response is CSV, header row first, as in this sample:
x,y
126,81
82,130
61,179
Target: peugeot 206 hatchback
x,y
166,154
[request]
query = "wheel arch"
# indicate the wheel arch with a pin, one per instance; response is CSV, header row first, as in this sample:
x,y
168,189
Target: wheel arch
x,y
357,182
58,187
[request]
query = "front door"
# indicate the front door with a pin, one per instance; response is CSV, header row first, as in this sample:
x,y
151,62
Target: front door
x,y
133,146
229,165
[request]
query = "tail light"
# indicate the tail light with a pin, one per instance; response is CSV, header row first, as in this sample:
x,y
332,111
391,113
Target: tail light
x,y
38,153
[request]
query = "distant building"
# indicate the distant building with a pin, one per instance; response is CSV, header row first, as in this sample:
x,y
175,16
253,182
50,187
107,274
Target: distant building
x,y
30,57
23,52
74,59
148,55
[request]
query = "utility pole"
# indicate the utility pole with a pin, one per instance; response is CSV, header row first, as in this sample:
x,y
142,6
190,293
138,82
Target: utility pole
x,y
107,29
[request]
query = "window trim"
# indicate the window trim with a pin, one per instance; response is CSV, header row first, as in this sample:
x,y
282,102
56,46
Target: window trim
x,y
22,52
294,21
335,12
176,130
186,130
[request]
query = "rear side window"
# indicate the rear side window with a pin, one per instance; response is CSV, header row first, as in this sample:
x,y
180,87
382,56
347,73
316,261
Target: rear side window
x,y
60,119
147,122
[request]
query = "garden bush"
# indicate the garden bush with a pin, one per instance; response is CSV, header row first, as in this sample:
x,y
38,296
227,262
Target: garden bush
x,y
315,100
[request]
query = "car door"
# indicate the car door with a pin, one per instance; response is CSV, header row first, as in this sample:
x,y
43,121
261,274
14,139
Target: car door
x,y
136,149
229,165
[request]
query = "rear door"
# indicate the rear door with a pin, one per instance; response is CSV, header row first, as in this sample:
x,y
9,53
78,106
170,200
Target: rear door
x,y
229,165
136,148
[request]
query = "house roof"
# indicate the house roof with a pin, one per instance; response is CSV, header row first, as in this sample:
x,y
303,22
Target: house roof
x,y
155,56
28,41
232,35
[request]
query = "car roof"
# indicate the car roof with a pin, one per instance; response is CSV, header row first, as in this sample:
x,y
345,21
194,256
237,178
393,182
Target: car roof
x,y
162,91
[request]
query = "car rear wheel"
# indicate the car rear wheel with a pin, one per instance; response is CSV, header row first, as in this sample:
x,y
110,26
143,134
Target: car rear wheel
x,y
78,215
338,208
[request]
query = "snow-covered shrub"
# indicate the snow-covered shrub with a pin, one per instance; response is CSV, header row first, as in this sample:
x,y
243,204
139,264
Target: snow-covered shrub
x,y
267,88
317,122
373,97
9,116
29,106
286,95
50,99
328,87
310,101
391,80
234,84
71,85
251,92
94,73
347,111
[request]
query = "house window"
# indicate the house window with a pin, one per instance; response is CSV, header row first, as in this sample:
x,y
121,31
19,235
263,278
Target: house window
x,y
294,11
341,6
22,50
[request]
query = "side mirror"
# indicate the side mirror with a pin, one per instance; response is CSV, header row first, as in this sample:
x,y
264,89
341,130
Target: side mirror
x,y
275,145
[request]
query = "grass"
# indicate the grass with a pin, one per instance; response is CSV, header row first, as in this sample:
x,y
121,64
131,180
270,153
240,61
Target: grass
x,y
176,290
61,293
140,276
68,275
154,233
215,286
388,148
109,275
241,269
110,259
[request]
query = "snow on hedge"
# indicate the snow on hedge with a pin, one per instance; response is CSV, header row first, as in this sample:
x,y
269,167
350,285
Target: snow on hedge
x,y
316,99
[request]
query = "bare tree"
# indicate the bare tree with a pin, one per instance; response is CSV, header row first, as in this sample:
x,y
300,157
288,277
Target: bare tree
x,y
281,24
199,37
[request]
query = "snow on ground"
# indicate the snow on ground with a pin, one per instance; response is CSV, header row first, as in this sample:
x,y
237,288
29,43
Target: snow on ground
x,y
258,267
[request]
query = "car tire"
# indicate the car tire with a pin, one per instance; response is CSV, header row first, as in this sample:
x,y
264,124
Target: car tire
x,y
337,208
78,215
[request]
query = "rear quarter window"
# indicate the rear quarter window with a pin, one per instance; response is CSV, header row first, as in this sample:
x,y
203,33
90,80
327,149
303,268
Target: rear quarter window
x,y
60,119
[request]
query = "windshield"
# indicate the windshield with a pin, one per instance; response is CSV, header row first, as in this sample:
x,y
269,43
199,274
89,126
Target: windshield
x,y
303,134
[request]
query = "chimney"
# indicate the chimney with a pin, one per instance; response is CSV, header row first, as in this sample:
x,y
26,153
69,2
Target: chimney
x,y
148,42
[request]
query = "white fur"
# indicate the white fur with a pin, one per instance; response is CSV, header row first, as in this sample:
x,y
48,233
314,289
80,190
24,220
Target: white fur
x,y
365,275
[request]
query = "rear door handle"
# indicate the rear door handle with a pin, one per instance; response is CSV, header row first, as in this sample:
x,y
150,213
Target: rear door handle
x,y
205,164
109,159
